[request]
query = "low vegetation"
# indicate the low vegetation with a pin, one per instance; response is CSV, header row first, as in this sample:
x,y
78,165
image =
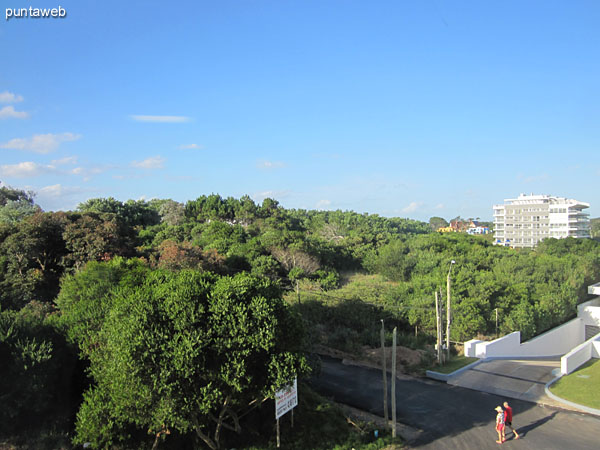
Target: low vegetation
x,y
171,288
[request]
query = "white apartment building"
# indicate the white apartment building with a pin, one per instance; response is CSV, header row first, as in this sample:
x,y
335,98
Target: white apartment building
x,y
526,220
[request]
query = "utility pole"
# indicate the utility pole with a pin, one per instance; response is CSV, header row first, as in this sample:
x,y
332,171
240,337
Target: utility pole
x,y
496,323
394,384
448,312
438,329
385,390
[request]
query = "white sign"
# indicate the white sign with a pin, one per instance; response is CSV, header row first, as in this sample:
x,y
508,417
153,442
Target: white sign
x,y
286,399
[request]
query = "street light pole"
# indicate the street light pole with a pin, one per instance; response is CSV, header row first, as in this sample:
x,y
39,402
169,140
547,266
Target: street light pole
x,y
448,313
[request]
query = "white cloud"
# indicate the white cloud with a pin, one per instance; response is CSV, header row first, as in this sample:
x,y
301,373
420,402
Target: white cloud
x,y
25,169
268,165
56,190
40,143
260,196
57,196
534,178
9,112
161,119
323,204
191,147
9,97
412,207
63,161
154,162
85,172
440,206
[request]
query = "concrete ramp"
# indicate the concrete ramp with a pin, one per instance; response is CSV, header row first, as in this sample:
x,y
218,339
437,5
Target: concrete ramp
x,y
523,379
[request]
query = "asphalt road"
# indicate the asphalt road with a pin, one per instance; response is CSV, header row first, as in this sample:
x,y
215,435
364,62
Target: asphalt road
x,y
452,417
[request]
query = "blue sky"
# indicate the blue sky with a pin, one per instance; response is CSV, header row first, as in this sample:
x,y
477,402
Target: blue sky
x,y
400,108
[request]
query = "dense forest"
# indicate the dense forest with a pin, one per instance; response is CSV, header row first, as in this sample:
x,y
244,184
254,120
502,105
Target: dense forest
x,y
146,321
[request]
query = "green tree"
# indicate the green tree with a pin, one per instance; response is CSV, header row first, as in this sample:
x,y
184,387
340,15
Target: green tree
x,y
595,227
36,371
31,257
172,212
437,222
186,351
95,236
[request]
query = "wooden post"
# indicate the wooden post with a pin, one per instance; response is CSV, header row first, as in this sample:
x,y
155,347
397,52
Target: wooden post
x,y
438,329
278,441
394,384
385,394
292,418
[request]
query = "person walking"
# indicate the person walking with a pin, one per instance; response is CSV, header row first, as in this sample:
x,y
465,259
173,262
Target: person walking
x,y
508,416
500,424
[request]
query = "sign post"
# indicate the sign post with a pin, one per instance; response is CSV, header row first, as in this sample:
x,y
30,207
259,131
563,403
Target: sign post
x,y
286,400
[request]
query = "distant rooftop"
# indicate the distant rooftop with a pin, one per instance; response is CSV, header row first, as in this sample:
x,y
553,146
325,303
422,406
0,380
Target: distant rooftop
x,y
524,199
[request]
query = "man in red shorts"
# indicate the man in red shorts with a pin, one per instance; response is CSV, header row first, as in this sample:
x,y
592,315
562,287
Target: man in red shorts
x,y
508,414
500,424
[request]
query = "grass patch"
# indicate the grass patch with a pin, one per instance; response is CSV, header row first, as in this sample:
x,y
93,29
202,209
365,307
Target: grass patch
x,y
455,363
581,386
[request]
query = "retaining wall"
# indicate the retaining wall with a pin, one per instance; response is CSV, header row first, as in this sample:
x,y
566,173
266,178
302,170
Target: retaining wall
x,y
580,355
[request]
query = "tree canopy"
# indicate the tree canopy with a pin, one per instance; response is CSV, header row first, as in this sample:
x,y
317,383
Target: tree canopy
x,y
185,351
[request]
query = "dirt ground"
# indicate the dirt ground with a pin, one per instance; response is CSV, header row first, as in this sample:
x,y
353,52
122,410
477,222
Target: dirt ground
x,y
406,359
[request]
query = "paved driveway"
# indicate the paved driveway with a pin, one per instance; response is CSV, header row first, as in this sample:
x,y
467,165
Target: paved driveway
x,y
452,417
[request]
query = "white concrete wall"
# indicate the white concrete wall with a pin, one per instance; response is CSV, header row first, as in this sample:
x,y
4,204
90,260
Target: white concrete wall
x,y
506,345
580,355
589,312
470,347
557,341
594,289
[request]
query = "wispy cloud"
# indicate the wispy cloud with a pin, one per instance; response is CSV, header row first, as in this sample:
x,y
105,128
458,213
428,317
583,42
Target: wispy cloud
x,y
161,119
88,172
534,178
57,190
269,165
321,204
260,196
40,143
64,161
9,112
191,147
412,207
154,162
440,206
9,97
57,197
25,170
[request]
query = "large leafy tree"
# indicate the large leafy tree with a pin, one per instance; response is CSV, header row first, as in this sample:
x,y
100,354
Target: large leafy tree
x,y
31,257
95,236
185,351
